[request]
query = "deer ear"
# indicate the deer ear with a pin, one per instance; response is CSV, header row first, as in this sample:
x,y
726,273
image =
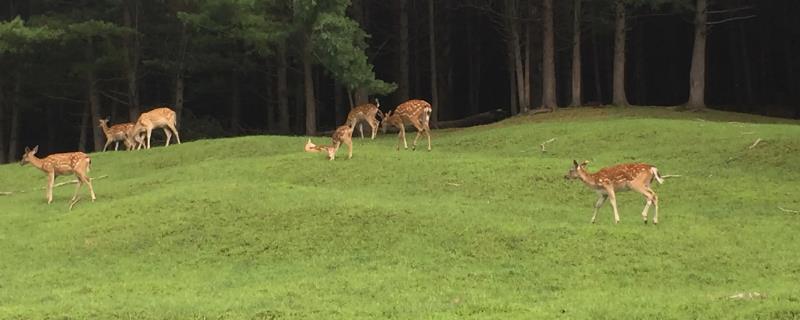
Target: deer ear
x,y
575,163
27,149
584,163
36,148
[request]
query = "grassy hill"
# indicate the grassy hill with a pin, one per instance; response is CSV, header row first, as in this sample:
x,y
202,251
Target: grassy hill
x,y
484,226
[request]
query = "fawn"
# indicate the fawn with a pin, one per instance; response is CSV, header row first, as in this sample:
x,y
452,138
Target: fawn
x,y
343,134
621,177
61,164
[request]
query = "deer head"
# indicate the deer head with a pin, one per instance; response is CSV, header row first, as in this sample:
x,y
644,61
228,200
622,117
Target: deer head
x,y
26,158
102,122
574,172
385,121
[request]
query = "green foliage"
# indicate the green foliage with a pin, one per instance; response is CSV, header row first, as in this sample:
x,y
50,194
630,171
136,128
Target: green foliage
x,y
17,38
339,44
484,226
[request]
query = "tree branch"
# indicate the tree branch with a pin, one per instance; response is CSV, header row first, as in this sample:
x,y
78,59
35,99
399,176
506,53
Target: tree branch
x,y
729,20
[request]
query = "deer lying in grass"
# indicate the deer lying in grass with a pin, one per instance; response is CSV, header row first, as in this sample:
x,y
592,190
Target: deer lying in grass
x,y
343,134
622,177
416,112
365,113
116,133
61,164
163,118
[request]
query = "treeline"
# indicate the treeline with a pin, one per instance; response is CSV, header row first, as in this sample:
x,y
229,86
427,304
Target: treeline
x,y
231,67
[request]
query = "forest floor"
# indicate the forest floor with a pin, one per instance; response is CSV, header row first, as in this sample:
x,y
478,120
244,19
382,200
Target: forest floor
x,y
483,226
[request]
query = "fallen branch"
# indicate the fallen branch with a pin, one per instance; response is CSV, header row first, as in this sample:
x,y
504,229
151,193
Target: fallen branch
x,y
73,202
453,184
546,142
789,211
74,182
754,144
8,193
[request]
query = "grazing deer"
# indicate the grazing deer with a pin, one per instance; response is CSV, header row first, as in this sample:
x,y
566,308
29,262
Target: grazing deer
x,y
343,134
157,118
61,164
116,133
416,112
365,112
622,177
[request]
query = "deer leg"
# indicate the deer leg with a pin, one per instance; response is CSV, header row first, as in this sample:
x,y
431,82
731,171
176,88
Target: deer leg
x,y
648,194
51,177
332,154
349,149
374,128
428,133
77,187
655,203
88,181
149,133
169,136
175,131
613,197
601,199
108,142
401,135
361,129
405,143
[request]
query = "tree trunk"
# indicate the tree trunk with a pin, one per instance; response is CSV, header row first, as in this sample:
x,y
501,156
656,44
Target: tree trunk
x,y
747,67
598,87
402,51
639,76
13,135
474,56
512,81
527,58
85,116
697,73
131,52
340,112
576,54
3,102
179,89
434,71
548,61
308,82
236,104
179,74
283,89
93,97
619,97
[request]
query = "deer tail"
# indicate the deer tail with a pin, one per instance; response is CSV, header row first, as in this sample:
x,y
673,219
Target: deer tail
x,y
656,175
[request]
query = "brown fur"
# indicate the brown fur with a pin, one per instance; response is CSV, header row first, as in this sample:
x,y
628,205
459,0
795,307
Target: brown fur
x,y
622,177
343,134
61,164
416,112
163,118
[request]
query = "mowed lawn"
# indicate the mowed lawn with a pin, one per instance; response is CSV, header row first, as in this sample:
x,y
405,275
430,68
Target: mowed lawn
x,y
484,226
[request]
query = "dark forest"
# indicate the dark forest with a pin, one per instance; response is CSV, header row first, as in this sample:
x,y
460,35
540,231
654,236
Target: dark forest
x,y
235,67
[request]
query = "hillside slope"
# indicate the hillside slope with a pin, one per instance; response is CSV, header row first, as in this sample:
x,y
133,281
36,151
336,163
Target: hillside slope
x,y
484,226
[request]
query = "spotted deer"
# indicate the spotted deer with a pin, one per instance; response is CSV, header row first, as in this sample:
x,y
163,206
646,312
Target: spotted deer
x,y
365,113
163,118
343,134
116,133
416,112
61,164
621,177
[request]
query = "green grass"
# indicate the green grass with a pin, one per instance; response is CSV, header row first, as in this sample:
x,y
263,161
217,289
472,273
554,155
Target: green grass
x,y
484,226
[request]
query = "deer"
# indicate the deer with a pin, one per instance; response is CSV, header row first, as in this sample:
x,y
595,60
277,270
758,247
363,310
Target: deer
x,y
61,164
416,112
622,177
163,118
365,113
343,134
116,133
